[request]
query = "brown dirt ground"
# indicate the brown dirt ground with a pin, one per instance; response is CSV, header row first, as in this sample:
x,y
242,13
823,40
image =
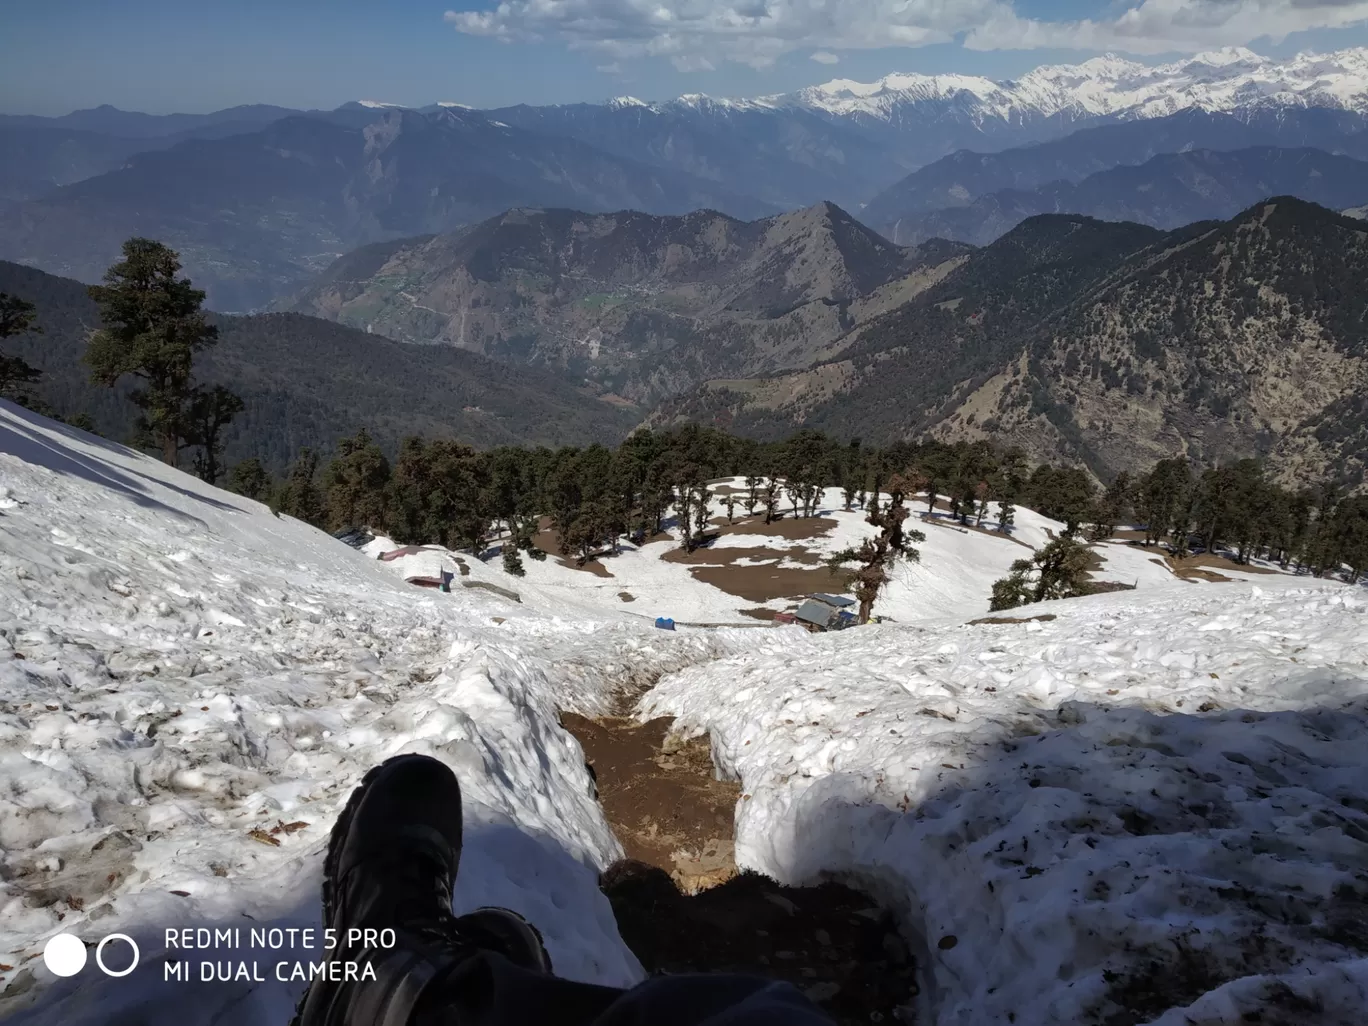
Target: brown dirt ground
x,y
1193,564
626,596
545,539
767,581
1013,619
800,529
693,913
661,799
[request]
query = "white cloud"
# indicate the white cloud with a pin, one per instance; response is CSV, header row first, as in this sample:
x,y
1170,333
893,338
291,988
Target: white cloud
x,y
610,69
1162,26
686,62
758,32
754,32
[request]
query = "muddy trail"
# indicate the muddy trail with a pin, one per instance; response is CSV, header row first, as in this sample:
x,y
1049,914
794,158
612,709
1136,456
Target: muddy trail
x,y
681,906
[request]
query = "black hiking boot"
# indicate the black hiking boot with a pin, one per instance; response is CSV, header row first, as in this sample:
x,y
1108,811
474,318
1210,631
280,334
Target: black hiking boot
x,y
387,880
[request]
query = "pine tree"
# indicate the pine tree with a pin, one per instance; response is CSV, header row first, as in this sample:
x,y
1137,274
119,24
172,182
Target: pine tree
x,y
16,318
702,512
152,326
771,496
1059,570
877,554
248,478
301,497
1006,516
753,482
685,494
512,562
356,484
207,414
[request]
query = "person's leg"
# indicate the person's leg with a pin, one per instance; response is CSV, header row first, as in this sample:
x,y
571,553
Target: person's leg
x,y
391,863
490,991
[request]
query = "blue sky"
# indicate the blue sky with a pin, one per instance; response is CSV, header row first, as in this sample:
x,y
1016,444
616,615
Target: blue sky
x,y
162,56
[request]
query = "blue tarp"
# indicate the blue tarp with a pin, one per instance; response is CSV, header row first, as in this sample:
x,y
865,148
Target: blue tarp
x,y
664,623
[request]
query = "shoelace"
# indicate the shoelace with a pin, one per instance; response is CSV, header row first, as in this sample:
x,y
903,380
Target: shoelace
x,y
423,909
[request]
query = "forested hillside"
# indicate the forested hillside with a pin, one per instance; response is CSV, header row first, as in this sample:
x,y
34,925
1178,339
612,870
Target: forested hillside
x,y
1111,344
308,382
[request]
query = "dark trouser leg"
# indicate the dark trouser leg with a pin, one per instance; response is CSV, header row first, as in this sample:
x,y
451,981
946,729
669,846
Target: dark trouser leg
x,y
490,991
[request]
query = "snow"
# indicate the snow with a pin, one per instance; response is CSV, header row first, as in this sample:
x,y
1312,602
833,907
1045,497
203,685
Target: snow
x,y
1049,804
179,667
1229,79
1046,805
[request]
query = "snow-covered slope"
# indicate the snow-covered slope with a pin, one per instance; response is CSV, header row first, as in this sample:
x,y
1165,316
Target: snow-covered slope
x,y
1225,80
1168,784
1155,793
179,668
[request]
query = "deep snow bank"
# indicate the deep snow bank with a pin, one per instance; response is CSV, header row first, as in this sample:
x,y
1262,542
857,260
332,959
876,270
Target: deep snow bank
x,y
180,669
1157,792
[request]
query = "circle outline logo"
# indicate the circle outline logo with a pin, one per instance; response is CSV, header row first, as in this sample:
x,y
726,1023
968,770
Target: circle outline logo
x,y
99,951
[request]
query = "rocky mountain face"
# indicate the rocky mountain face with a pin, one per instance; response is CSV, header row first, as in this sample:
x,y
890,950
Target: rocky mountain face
x,y
635,306
254,215
1111,344
1166,191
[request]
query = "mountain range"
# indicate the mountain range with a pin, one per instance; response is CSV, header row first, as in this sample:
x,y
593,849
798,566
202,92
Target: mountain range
x,y
1112,344
634,307
260,199
1166,191
254,215
1107,343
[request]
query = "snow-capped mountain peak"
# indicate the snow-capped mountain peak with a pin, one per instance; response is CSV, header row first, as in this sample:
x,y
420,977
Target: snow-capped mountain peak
x,y
1225,79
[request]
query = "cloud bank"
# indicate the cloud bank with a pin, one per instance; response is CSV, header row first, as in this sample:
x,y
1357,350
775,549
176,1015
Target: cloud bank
x,y
758,32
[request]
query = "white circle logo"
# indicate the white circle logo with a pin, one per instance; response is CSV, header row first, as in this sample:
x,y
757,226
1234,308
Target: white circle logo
x,y
64,954
99,950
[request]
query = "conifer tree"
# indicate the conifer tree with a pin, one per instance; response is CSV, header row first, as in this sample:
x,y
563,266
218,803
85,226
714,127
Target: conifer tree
x,y
771,496
356,483
877,554
1006,516
301,497
1059,570
248,477
206,415
152,325
16,318
753,482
